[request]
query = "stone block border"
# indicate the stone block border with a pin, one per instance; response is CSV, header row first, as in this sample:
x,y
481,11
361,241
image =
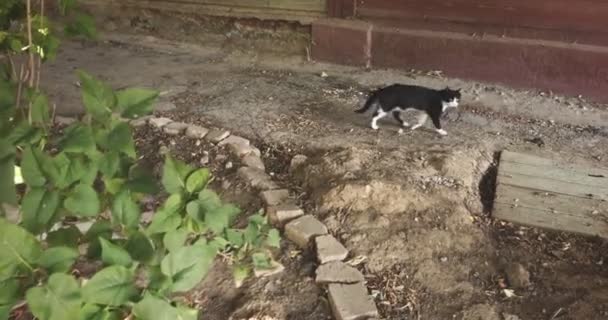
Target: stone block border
x,y
348,296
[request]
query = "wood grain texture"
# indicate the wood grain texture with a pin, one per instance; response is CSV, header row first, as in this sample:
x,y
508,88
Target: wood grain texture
x,y
550,194
582,15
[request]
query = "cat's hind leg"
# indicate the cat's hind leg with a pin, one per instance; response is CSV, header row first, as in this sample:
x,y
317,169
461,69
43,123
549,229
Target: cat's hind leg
x,y
422,118
397,116
379,114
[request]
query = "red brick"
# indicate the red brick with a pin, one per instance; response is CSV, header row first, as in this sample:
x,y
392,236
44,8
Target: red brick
x,y
341,41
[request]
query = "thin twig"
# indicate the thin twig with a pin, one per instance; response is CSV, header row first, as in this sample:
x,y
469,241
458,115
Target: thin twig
x,y
12,64
38,67
19,90
29,41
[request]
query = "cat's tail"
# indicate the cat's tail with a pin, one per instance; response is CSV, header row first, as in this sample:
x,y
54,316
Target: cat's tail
x,y
373,98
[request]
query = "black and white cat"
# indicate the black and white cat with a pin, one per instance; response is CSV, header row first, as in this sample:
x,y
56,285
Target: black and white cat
x,y
397,98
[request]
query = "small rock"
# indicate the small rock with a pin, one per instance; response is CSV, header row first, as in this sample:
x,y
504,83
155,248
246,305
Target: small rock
x,y
507,316
140,122
65,121
204,160
175,128
324,74
351,302
234,139
443,259
274,197
281,214
517,275
165,106
163,150
216,136
329,249
297,161
196,132
254,161
257,178
338,272
240,150
159,122
229,165
173,91
302,230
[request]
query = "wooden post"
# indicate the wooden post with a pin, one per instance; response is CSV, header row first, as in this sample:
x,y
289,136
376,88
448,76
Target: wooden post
x,y
341,8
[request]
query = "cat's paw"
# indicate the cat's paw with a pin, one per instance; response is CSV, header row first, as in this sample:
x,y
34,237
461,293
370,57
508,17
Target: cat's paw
x,y
442,132
405,124
416,127
375,127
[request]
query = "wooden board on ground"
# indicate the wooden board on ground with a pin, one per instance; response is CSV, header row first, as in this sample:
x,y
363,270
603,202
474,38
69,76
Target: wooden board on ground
x,y
545,193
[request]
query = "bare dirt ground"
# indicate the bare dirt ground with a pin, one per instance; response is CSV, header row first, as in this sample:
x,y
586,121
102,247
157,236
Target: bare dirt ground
x,y
416,207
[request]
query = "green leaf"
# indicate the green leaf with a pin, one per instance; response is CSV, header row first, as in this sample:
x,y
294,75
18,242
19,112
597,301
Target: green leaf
x,y
58,259
78,139
209,200
274,238
111,286
66,5
173,240
95,312
135,102
64,237
125,210
98,98
9,295
140,247
120,139
100,228
40,109
59,299
154,308
164,221
187,266
32,168
173,204
113,186
8,192
235,237
193,210
197,180
219,219
83,201
174,175
261,261
39,209
23,134
240,274
82,25
112,254
141,180
109,164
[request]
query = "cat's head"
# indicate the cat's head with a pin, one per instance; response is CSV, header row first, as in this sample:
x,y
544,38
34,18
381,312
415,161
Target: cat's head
x,y
451,97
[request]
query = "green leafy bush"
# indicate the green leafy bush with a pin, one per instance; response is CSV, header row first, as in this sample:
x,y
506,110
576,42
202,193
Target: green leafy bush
x,y
90,174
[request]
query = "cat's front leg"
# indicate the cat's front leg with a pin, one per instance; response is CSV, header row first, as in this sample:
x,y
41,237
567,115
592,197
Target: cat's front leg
x,y
379,114
437,124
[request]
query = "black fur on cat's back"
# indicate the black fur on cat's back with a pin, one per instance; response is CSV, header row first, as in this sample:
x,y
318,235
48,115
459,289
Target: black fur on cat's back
x,y
409,96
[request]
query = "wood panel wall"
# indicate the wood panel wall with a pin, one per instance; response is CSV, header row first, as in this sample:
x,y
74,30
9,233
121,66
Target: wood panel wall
x,y
566,15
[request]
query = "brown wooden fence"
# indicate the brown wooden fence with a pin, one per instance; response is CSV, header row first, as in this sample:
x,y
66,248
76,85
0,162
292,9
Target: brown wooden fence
x,y
298,10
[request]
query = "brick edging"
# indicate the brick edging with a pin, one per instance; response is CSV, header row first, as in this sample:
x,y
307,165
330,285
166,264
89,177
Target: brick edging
x,y
348,295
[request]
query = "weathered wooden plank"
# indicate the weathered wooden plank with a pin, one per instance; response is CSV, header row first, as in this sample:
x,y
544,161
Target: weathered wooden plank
x,y
550,194
545,162
554,173
304,17
557,203
586,15
546,219
553,186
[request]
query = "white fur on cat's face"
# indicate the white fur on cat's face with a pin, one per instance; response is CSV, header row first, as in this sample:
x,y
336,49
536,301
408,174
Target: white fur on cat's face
x,y
451,104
